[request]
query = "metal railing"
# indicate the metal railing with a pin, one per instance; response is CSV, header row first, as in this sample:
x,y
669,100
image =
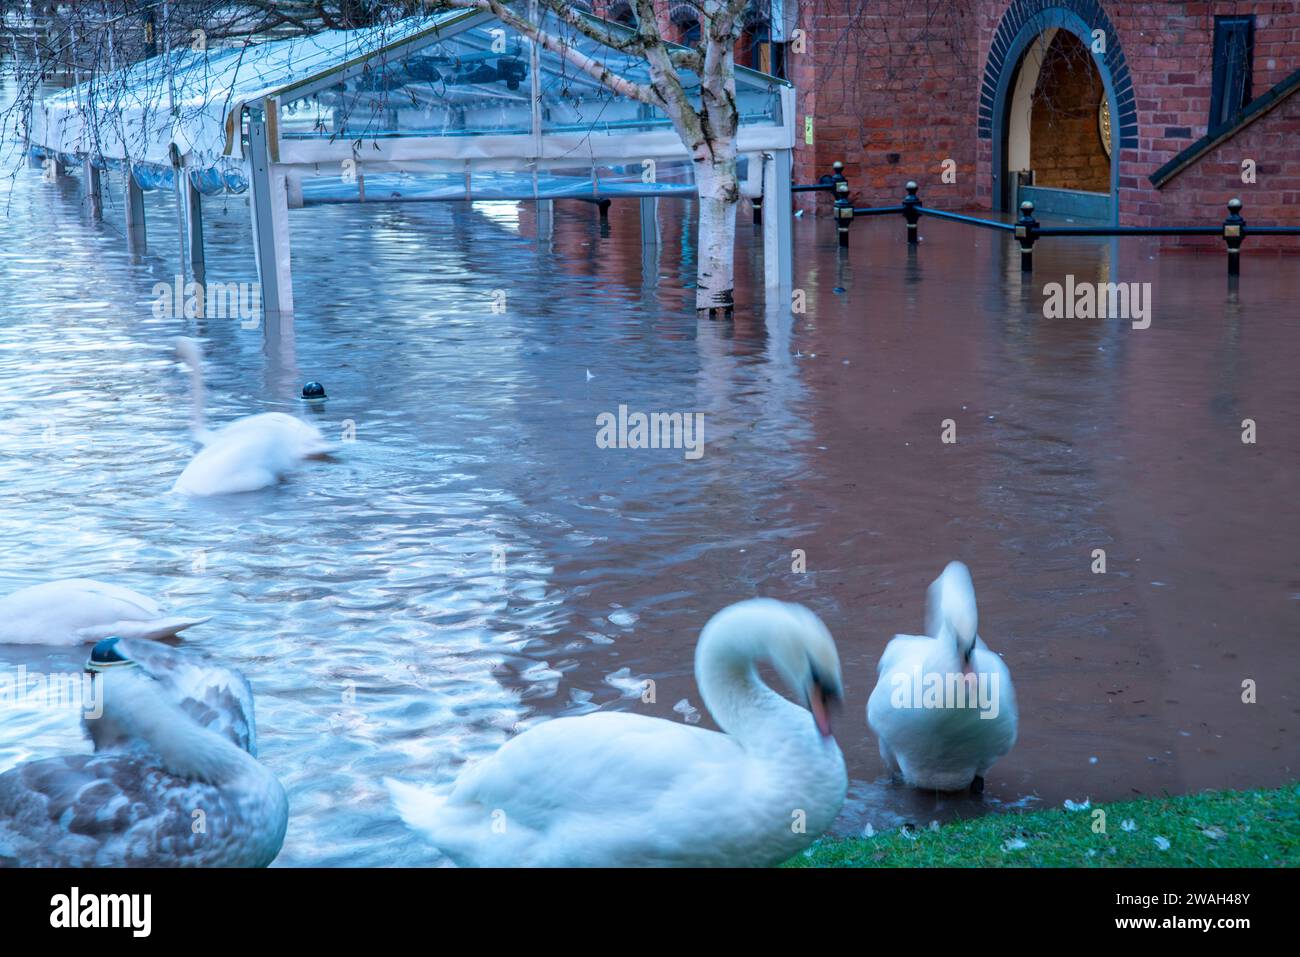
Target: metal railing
x,y
1027,230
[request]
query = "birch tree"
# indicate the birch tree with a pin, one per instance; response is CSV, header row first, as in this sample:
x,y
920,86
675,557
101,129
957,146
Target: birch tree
x,y
708,126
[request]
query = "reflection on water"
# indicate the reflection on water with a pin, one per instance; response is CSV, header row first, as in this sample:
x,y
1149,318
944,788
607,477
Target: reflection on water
x,y
472,563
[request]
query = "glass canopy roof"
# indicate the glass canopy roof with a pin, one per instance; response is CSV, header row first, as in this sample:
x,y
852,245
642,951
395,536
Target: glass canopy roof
x,y
449,93
479,79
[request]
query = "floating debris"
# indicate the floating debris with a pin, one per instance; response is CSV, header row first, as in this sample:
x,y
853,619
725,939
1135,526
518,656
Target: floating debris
x,y
1014,844
1072,806
1162,843
1128,825
689,714
629,686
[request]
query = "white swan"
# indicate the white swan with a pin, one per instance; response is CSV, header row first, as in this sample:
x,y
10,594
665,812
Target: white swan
x,y
944,707
74,611
140,806
618,789
249,453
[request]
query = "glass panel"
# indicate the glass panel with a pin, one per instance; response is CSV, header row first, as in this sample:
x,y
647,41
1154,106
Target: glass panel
x,y
573,101
637,178
478,82
473,83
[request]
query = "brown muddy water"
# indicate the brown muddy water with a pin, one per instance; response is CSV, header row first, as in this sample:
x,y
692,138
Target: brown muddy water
x,y
473,563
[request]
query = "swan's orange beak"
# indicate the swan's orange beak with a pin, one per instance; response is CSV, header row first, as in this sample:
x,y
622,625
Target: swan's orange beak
x,y
819,702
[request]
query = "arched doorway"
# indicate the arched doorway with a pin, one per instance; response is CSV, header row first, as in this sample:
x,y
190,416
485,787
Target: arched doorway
x,y
1057,103
1059,138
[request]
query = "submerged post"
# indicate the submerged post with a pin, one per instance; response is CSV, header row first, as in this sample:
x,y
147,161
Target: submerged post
x,y
193,226
911,213
649,221
270,203
134,203
182,215
603,206
1026,233
94,189
1234,231
778,226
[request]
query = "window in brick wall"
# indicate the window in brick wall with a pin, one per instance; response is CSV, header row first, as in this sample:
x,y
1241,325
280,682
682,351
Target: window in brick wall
x,y
764,53
1234,42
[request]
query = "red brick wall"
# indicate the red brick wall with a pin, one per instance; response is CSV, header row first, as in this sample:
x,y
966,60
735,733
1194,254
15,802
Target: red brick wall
x,y
893,88
1170,53
1273,142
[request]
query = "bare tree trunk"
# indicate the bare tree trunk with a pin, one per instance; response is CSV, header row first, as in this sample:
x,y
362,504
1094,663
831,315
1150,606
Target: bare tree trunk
x,y
719,191
711,133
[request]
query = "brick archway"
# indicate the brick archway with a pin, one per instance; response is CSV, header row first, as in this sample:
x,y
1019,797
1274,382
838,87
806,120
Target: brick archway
x,y
1023,22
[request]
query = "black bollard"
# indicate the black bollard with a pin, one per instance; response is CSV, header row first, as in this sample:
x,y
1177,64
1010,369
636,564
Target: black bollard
x,y
843,208
603,205
911,213
1234,231
837,177
1026,233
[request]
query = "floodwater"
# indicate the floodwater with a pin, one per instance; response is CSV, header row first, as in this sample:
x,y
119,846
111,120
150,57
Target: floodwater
x,y
472,563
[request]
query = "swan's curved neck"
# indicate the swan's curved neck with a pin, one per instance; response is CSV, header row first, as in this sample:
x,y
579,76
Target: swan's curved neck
x,y
952,643
198,421
741,703
186,748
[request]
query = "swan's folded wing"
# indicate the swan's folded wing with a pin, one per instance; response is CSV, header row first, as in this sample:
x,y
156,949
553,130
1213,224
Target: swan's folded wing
x,y
599,761
1007,723
152,629
104,810
134,605
301,439
904,653
79,599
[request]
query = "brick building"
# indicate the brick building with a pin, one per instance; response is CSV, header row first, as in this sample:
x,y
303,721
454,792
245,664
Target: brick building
x,y
1141,113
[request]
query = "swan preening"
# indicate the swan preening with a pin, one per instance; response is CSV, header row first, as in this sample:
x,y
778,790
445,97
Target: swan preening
x,y
944,708
619,789
74,611
167,785
249,453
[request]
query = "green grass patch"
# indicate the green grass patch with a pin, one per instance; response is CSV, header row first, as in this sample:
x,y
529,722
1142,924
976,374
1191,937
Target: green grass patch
x,y
1212,829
